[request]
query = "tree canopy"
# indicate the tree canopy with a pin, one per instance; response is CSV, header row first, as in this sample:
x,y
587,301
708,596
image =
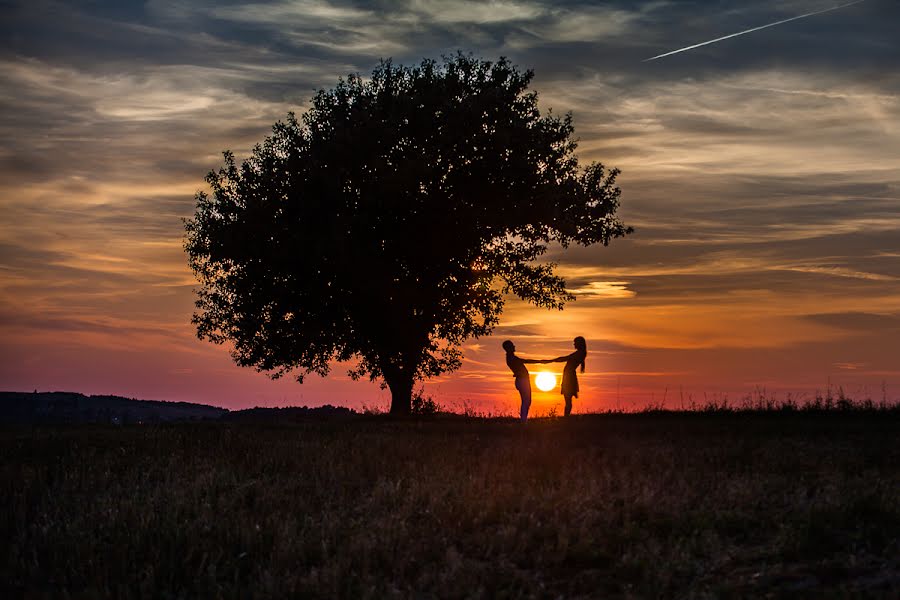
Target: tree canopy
x,y
386,225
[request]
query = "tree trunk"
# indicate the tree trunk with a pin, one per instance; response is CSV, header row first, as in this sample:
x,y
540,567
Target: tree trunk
x,y
401,385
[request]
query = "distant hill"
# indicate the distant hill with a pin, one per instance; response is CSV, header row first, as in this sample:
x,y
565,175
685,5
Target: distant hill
x,y
70,407
22,408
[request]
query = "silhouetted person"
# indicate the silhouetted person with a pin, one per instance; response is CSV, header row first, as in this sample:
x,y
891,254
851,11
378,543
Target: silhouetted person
x,y
523,380
569,386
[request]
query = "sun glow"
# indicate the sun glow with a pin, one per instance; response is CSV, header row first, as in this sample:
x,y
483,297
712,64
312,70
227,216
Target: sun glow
x,y
545,381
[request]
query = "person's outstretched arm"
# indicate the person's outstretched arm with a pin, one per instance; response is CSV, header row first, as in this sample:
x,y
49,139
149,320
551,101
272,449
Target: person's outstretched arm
x,y
534,361
557,359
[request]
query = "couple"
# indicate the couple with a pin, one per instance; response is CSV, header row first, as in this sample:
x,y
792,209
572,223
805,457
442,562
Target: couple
x,y
569,387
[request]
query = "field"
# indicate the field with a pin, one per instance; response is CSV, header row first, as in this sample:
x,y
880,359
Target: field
x,y
608,506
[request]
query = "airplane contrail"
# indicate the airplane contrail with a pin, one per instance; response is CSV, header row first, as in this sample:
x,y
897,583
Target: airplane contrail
x,y
725,37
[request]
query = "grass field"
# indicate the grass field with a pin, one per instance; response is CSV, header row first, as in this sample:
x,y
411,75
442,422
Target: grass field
x,y
644,506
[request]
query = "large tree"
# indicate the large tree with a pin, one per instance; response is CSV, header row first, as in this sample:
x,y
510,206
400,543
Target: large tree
x,y
387,224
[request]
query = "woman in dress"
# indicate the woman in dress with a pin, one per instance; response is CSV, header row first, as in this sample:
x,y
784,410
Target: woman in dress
x,y
569,387
520,372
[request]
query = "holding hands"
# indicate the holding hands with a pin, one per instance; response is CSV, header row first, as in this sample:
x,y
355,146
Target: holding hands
x,y
568,387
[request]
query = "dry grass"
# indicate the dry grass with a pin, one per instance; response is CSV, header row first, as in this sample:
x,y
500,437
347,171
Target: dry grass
x,y
652,505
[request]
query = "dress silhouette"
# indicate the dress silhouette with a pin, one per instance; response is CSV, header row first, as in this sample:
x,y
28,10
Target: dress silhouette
x,y
523,379
569,386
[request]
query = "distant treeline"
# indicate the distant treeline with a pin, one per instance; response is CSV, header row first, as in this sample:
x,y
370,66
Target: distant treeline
x,y
23,408
68,407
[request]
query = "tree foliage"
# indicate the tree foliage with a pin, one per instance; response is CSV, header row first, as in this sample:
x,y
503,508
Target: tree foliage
x,y
386,225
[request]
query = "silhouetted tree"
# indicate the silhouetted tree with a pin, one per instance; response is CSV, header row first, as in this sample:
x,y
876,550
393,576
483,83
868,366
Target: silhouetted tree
x,y
387,223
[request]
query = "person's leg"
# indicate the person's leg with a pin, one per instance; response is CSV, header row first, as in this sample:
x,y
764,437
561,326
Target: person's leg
x,y
568,405
524,387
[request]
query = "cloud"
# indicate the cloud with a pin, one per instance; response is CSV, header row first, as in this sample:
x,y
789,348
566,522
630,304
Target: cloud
x,y
840,272
849,366
859,321
289,13
512,329
470,11
605,289
576,24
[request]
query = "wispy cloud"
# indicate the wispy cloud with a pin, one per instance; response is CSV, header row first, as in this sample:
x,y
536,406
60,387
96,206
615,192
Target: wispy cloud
x,y
840,272
605,289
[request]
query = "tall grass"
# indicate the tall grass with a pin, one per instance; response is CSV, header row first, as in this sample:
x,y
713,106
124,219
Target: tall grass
x,y
647,505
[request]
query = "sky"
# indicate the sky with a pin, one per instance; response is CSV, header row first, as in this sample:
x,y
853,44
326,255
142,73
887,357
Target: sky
x,y
761,174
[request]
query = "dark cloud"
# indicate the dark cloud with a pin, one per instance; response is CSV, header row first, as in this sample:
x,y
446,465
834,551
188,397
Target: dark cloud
x,y
860,322
517,331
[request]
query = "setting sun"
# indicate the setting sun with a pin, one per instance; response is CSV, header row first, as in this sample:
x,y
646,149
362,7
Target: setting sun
x,y
545,381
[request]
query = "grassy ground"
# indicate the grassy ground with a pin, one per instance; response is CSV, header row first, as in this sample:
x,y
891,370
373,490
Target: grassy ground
x,y
654,505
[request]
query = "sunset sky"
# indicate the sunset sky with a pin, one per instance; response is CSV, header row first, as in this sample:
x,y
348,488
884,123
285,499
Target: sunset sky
x,y
761,174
